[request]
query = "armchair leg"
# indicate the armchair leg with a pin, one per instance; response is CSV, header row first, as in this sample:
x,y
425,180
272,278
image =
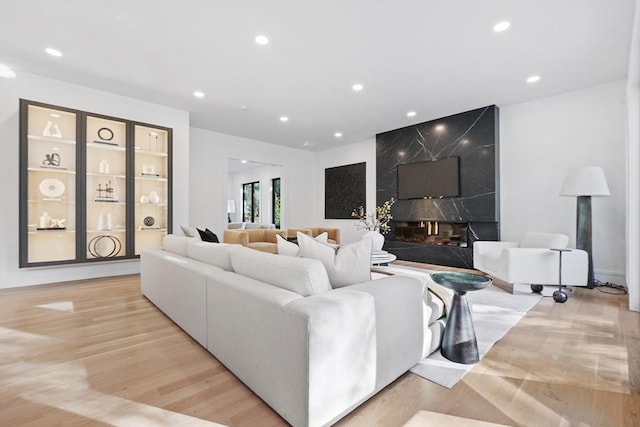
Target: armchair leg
x,y
537,288
560,295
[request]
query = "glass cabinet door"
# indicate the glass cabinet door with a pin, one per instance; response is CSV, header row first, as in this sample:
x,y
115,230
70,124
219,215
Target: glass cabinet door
x,y
50,185
152,195
106,172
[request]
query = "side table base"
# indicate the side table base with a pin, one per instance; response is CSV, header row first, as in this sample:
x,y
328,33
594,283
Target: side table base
x,y
459,341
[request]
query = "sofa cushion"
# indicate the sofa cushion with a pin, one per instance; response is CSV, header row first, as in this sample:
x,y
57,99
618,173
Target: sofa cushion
x,y
302,276
176,244
534,239
218,255
350,265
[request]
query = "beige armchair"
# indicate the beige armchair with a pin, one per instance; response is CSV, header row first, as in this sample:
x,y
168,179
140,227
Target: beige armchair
x,y
259,239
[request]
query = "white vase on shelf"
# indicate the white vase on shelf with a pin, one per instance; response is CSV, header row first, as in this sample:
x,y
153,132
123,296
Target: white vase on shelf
x,y
104,222
104,166
377,239
47,129
154,197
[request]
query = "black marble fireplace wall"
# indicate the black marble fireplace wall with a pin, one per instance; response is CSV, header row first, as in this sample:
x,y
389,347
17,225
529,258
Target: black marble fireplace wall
x,y
473,137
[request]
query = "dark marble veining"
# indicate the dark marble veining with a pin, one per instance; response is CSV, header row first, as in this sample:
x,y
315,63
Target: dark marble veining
x,y
473,137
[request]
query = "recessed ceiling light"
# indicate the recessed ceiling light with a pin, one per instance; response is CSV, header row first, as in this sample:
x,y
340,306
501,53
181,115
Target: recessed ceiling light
x,y
6,72
55,148
284,119
308,144
411,114
533,79
53,52
262,40
501,26
198,94
357,87
243,161
244,107
338,134
439,128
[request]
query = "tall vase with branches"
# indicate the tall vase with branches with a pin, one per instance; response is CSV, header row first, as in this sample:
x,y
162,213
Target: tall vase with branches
x,y
376,223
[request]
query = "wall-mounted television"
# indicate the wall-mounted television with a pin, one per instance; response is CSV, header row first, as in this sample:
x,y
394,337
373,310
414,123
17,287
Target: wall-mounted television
x,y
429,179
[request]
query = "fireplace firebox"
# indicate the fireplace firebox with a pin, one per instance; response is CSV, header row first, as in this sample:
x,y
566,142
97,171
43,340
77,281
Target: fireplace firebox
x,y
438,233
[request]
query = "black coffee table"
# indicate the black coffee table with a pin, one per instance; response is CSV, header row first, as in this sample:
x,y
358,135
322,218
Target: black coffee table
x,y
459,341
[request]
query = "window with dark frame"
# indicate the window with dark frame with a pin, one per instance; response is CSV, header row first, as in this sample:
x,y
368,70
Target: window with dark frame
x,y
275,201
251,202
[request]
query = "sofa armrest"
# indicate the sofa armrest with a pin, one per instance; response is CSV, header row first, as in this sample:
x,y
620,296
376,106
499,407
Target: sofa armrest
x,y
398,301
486,255
540,266
310,358
481,247
239,237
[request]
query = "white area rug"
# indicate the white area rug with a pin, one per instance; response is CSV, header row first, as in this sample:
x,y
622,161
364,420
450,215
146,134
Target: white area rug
x,y
494,312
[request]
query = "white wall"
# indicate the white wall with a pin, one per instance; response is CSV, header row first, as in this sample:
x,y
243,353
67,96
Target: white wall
x,y
353,153
263,175
64,94
633,167
539,142
210,181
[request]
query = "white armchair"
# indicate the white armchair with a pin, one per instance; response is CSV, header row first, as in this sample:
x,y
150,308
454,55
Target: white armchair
x,y
531,261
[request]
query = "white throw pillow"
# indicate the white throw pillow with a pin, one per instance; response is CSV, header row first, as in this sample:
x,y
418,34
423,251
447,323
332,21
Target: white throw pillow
x,y
286,247
188,231
349,266
322,237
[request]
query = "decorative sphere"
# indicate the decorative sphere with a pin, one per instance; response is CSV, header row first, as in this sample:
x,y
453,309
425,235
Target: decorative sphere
x,y
149,221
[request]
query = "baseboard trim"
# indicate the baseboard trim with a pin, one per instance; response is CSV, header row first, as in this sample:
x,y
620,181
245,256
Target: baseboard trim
x,y
617,277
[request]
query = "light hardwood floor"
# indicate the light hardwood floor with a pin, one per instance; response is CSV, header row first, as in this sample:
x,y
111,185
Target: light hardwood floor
x,y
98,353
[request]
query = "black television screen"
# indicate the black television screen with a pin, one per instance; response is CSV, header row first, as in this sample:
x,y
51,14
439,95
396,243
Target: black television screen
x,y
438,178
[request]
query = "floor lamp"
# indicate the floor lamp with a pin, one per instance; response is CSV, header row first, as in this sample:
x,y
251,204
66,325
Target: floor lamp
x,y
231,208
584,183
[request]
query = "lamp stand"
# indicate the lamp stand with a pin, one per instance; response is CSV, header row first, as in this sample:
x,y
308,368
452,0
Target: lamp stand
x,y
229,217
583,233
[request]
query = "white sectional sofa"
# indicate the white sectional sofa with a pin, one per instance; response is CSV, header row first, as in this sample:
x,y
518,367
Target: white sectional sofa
x,y
311,352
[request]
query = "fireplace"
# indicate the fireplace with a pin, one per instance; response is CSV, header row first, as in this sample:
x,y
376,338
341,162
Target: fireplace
x,y
439,233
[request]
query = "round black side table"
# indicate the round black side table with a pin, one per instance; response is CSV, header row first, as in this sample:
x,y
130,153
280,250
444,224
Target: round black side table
x,y
459,340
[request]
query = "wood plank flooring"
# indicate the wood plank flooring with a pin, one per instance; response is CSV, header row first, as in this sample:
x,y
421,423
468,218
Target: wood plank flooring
x,y
97,353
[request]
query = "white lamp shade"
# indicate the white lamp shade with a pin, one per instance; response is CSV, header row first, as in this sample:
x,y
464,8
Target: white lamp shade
x,y
231,206
585,181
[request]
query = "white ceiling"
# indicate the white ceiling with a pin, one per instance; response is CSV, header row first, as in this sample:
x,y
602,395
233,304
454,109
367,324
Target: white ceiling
x,y
434,57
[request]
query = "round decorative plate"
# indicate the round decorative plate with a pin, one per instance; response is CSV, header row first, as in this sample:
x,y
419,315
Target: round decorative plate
x,y
52,187
149,221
